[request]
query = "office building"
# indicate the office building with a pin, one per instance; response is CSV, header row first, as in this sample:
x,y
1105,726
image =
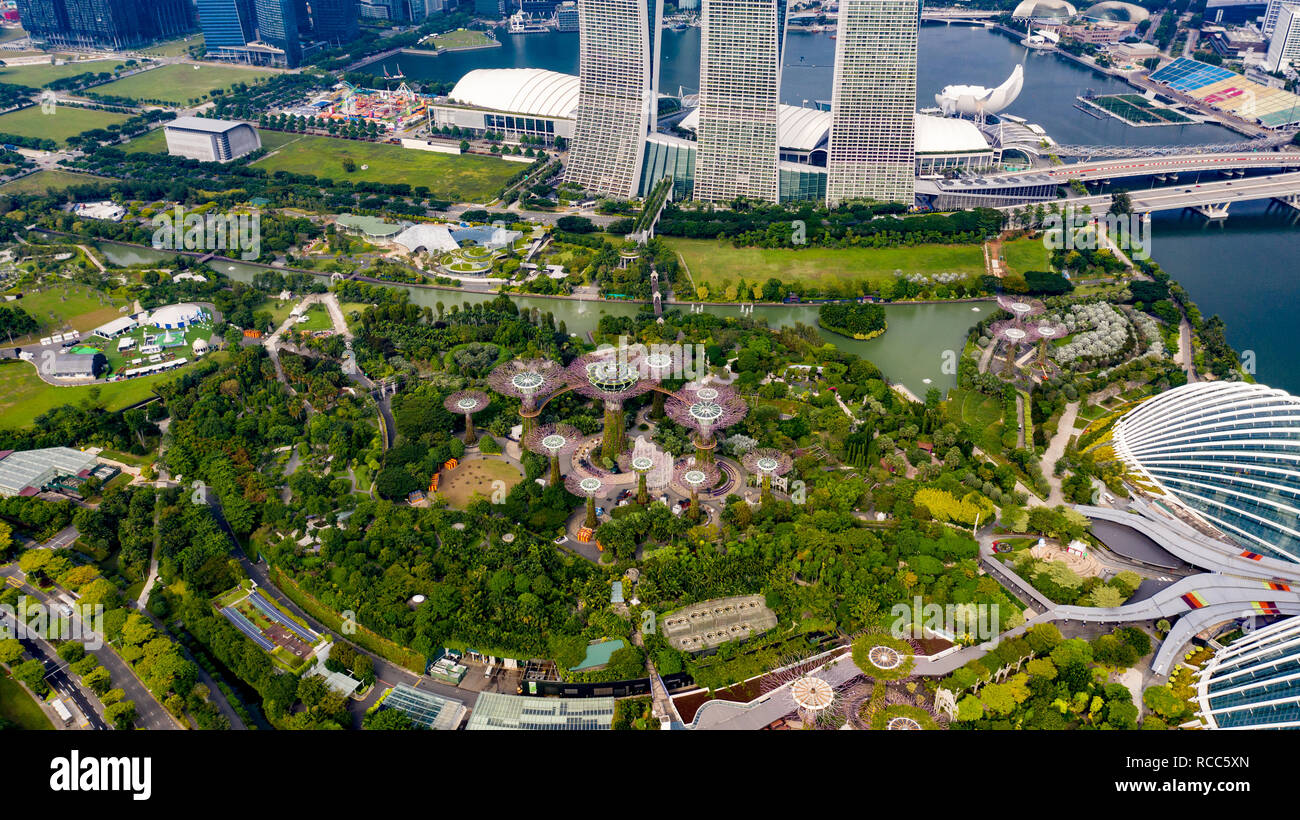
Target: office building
x,y
1284,47
873,102
110,24
741,51
566,17
1271,13
227,23
618,93
331,21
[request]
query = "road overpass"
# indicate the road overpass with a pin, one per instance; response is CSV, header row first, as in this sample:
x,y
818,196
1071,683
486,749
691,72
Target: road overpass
x,y
1212,199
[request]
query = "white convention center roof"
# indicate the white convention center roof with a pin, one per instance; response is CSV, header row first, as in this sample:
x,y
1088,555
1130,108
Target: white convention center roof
x,y
532,91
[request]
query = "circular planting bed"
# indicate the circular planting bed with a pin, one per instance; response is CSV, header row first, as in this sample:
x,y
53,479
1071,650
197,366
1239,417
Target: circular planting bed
x,y
883,657
903,718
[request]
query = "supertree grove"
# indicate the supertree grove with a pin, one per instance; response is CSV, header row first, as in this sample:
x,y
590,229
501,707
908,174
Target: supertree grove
x,y
467,403
767,462
706,409
527,380
553,441
642,465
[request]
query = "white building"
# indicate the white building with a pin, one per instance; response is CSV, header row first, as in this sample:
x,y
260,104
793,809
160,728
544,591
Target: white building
x,y
1284,47
742,43
618,94
873,102
107,211
173,317
1271,14
515,102
210,140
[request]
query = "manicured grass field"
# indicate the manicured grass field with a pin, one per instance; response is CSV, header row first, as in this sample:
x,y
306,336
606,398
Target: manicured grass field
x,y
712,262
66,121
318,318
461,38
983,413
18,707
38,74
43,182
1026,254
80,306
181,82
174,48
462,178
155,141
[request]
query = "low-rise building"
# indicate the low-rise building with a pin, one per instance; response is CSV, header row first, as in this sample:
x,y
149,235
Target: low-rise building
x,y
210,140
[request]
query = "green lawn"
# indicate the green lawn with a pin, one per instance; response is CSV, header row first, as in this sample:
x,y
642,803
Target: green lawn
x,y
37,75
17,706
46,181
462,178
81,306
318,318
66,121
1022,255
461,38
155,141
180,83
983,413
712,262
23,396
174,48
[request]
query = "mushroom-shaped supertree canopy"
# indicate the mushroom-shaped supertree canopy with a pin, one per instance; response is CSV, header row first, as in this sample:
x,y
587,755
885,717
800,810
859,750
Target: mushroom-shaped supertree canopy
x,y
660,362
1021,307
767,462
553,441
706,409
587,487
467,403
610,376
1015,334
1046,330
527,380
695,476
642,465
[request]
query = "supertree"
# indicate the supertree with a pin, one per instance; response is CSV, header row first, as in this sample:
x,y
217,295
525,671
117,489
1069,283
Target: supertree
x,y
767,462
642,465
1020,307
611,377
1046,330
658,363
1014,334
526,380
695,477
815,700
553,441
467,403
705,410
587,487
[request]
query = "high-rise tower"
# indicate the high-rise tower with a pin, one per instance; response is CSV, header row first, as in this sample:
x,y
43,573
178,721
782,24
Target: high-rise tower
x,y
741,49
872,151
618,94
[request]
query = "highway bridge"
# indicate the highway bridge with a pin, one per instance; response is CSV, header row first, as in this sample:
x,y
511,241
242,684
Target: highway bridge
x,y
1210,198
1012,190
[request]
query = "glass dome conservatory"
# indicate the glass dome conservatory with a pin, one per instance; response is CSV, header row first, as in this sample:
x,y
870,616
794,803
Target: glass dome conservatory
x,y
1229,452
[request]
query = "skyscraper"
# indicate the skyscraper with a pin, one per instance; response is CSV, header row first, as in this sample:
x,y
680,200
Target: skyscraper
x,y
277,25
334,21
105,23
872,151
1284,47
741,49
618,93
227,23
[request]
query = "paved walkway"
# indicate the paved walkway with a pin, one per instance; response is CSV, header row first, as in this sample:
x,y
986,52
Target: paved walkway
x,y
1056,449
